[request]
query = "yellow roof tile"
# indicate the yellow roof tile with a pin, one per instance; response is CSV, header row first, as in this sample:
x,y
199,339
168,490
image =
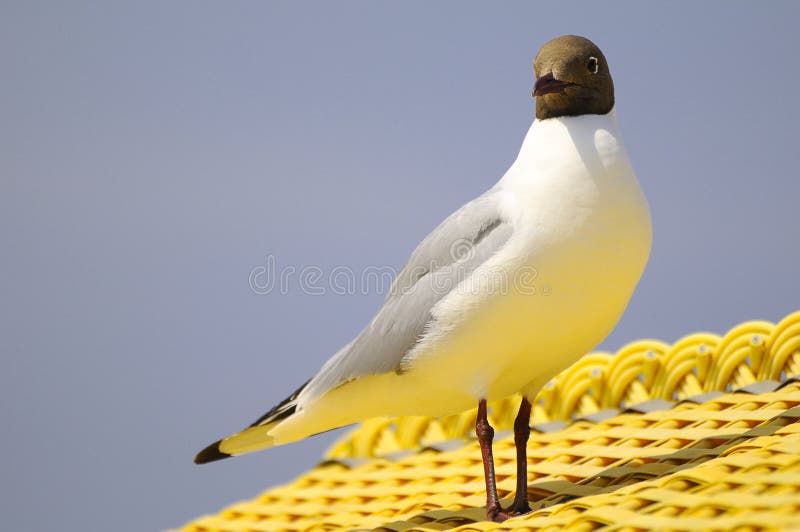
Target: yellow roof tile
x,y
636,441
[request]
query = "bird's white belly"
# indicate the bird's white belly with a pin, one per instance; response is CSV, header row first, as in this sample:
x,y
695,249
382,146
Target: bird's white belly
x,y
570,297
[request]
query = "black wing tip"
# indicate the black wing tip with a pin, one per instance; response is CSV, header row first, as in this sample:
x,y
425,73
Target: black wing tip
x,y
211,454
283,410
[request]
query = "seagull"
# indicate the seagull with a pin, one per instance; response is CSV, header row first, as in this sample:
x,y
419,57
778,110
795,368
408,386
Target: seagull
x,y
505,293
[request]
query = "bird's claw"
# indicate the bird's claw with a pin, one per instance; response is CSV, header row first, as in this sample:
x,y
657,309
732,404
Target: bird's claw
x,y
498,514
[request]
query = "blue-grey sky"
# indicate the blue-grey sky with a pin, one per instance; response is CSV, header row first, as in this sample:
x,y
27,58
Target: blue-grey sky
x,y
152,154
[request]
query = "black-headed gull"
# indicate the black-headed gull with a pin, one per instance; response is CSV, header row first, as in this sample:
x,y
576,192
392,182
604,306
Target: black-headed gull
x,y
509,290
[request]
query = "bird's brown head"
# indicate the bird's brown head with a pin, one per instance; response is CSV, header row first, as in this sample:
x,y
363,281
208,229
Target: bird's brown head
x,y
572,78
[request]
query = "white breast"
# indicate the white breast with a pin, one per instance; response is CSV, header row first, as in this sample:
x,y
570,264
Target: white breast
x,y
581,238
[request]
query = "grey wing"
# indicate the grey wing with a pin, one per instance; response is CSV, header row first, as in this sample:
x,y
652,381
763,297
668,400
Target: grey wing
x,y
464,241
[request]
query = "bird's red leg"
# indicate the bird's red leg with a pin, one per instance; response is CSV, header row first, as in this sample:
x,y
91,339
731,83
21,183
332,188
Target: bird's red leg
x,y
522,431
485,434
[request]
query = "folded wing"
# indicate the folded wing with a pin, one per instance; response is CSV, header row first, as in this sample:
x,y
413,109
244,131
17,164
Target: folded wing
x,y
459,245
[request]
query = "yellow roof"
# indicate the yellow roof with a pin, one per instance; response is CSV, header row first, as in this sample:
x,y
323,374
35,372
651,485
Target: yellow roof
x,y
700,435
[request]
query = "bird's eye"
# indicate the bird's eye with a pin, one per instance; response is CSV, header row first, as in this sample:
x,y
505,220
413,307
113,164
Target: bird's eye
x,y
593,65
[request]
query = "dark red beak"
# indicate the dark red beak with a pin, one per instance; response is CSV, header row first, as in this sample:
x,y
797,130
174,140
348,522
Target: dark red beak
x,y
547,84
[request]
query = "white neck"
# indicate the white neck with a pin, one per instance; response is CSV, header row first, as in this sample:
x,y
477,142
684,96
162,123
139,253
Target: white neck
x,y
564,144
544,134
